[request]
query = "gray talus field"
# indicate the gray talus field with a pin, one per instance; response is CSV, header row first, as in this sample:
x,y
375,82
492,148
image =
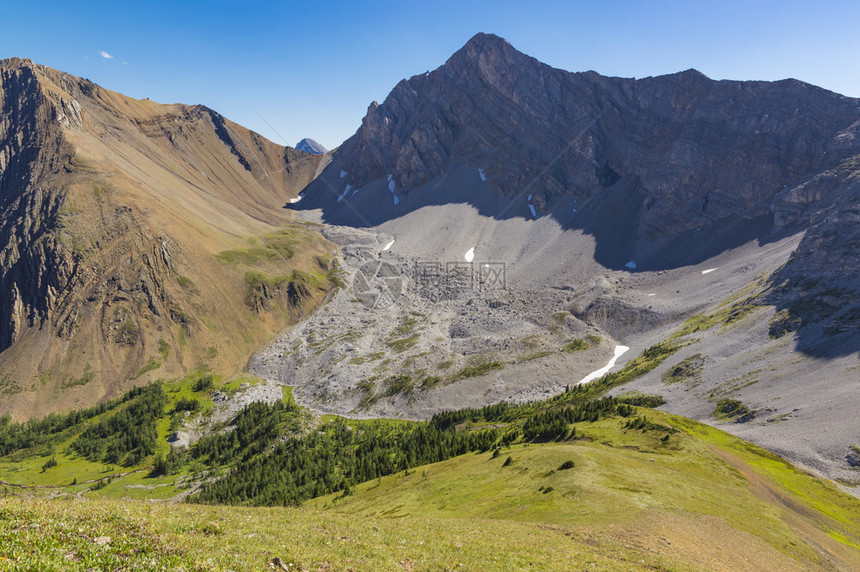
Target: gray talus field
x,y
442,341
709,226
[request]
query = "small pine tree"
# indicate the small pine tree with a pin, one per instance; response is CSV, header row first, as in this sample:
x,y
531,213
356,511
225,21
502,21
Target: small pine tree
x,y
509,461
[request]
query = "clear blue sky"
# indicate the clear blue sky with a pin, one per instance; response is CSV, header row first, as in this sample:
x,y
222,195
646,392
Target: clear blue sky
x,y
309,69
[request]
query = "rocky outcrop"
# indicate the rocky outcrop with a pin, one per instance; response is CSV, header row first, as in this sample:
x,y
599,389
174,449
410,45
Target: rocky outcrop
x,y
704,150
36,270
31,147
820,284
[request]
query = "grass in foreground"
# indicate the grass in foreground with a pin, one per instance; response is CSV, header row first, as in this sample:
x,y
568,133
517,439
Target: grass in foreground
x,y
633,500
70,536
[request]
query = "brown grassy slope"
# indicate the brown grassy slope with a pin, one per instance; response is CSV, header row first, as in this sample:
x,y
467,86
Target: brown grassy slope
x,y
113,210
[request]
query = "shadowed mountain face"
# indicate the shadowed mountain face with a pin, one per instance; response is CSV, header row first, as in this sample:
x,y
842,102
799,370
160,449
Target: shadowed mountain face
x,y
702,149
819,287
667,171
112,211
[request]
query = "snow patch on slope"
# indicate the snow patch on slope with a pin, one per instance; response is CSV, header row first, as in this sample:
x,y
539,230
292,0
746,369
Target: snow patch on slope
x,y
597,374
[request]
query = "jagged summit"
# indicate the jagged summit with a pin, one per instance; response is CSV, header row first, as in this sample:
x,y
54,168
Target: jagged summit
x,y
481,43
310,146
726,146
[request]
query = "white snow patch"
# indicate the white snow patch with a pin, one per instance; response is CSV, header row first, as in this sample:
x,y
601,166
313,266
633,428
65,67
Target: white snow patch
x,y
652,294
345,191
532,208
353,192
530,198
619,351
631,265
708,271
389,176
297,199
470,255
483,176
387,246
342,173
391,189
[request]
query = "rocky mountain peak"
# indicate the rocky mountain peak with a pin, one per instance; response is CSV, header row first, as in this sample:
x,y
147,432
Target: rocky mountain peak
x,y
487,58
310,146
484,47
703,150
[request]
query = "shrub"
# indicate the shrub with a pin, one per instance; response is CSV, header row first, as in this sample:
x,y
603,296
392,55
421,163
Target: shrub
x,y
730,408
186,404
205,382
478,369
566,465
128,333
508,462
575,346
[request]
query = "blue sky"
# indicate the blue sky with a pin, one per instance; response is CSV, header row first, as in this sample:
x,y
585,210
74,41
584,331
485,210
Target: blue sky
x,y
309,69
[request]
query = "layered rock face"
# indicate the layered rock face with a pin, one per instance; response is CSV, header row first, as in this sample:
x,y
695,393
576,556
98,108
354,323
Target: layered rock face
x,y
112,211
32,152
703,149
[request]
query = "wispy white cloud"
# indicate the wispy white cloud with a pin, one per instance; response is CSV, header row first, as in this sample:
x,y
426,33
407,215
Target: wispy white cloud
x,y
106,55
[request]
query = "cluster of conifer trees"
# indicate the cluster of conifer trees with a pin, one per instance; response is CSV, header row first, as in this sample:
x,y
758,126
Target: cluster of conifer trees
x,y
643,424
38,432
256,427
337,456
554,424
271,471
129,436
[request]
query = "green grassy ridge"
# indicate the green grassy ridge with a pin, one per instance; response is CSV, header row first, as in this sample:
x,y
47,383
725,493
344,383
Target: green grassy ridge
x,y
443,511
820,495
618,476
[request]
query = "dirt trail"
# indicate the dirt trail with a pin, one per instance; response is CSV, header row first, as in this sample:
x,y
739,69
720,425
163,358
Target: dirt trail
x,y
809,523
